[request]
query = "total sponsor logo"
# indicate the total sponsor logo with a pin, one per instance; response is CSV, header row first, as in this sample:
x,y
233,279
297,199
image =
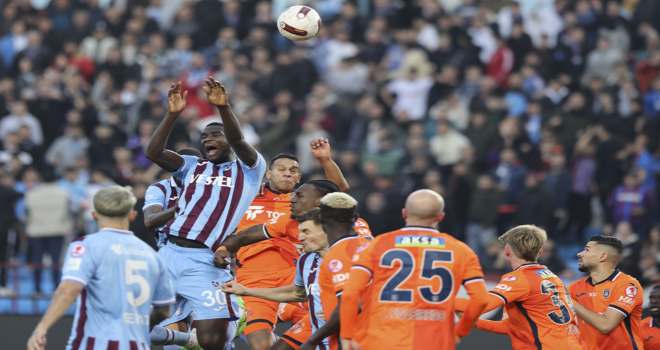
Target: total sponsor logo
x,y
254,210
222,181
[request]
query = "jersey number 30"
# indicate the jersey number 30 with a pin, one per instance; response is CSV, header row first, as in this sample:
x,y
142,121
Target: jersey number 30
x,y
391,291
549,288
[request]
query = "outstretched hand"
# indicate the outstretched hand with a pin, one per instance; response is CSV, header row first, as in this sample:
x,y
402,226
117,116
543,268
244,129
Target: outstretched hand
x,y
320,149
175,102
215,92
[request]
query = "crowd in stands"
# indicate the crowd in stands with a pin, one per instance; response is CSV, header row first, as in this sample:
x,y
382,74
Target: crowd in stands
x,y
525,112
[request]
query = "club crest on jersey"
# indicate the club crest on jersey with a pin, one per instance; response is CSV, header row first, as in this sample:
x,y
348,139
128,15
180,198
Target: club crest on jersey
x,y
606,293
215,284
545,273
222,181
419,241
78,250
631,291
335,265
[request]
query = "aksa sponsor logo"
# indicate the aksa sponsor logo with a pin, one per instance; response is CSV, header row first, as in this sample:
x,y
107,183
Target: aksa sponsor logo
x,y
419,241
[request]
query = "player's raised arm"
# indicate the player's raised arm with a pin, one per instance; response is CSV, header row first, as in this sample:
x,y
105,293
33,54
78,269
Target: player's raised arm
x,y
155,151
321,151
286,294
63,297
216,94
155,217
233,243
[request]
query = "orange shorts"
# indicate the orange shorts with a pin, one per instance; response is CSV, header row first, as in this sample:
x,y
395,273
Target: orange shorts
x,y
261,313
299,333
293,312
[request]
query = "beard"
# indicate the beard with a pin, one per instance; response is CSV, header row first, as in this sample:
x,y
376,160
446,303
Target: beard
x,y
584,268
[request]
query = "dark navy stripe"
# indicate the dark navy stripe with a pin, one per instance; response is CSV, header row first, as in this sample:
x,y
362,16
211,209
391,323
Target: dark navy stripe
x,y
501,296
532,325
626,321
258,320
472,279
620,309
291,339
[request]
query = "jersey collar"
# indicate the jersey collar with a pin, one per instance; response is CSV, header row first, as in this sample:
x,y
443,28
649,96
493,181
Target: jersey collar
x,y
173,183
527,265
267,185
653,323
419,228
343,238
116,231
612,277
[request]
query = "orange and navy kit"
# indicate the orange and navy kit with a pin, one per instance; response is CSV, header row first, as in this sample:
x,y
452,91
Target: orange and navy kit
x,y
650,332
407,281
267,264
302,326
538,312
334,272
619,292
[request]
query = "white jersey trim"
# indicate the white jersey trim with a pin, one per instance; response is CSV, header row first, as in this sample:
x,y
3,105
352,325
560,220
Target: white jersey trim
x,y
363,269
152,205
617,275
163,302
75,279
116,230
474,280
613,308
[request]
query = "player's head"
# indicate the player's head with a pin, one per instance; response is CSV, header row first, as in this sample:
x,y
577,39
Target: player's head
x,y
654,301
114,204
424,208
283,172
214,143
523,242
312,237
600,251
308,196
338,210
190,152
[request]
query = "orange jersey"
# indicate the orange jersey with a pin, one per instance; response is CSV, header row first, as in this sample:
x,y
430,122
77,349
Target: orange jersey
x,y
538,312
650,332
415,274
273,252
334,272
619,292
286,227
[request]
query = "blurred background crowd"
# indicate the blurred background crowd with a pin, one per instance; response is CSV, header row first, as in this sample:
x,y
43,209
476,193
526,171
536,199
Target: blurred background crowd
x,y
526,112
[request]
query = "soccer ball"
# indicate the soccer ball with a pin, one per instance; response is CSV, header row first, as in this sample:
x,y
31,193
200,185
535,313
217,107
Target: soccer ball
x,y
299,23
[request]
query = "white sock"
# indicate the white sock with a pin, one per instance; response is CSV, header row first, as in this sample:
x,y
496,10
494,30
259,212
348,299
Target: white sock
x,y
163,336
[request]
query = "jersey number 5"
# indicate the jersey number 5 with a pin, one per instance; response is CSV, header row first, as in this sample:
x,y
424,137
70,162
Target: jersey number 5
x,y
391,291
145,290
549,288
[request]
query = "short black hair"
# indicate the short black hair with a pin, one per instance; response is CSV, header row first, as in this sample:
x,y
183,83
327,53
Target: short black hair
x,y
323,187
282,156
215,124
615,243
310,215
657,286
190,152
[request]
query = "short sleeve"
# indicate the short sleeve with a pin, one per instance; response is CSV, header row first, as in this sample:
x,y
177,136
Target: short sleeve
x,y
276,227
362,259
189,162
79,265
164,293
155,197
512,288
298,281
472,271
626,296
254,173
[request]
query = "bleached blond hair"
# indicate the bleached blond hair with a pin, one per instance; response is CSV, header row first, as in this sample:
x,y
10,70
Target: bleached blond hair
x,y
525,241
114,201
339,200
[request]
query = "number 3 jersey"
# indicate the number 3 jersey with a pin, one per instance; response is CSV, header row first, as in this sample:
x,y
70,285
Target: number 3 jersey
x,y
538,313
123,277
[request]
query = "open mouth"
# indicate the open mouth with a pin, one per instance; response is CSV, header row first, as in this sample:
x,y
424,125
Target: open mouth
x,y
654,309
211,150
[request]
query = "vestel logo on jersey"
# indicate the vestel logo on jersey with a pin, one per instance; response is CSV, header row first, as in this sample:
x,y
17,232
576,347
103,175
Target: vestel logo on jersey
x,y
419,241
222,181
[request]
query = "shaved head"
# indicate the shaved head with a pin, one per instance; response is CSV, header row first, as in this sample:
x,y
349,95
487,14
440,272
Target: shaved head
x,y
424,205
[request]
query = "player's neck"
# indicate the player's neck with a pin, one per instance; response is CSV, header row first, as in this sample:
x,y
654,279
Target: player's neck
x,y
225,159
321,253
335,233
114,224
422,223
601,273
516,263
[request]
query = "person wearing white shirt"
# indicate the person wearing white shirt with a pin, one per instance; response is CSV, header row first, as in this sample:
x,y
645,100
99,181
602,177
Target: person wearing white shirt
x,y
411,95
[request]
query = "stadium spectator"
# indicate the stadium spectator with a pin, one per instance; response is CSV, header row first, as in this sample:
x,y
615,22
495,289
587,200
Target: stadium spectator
x,y
67,149
482,214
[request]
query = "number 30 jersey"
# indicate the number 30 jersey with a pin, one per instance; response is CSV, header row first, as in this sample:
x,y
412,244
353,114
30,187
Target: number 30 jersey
x,y
538,312
123,277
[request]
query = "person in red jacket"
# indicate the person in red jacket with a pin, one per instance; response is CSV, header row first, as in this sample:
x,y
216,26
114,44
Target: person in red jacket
x,y
501,63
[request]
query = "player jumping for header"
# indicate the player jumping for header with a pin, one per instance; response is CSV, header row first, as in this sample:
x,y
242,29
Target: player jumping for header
x,y
215,195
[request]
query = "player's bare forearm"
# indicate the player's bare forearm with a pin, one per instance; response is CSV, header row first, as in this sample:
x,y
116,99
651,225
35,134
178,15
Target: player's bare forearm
x,y
330,327
155,151
334,174
155,217
243,149
63,297
286,294
603,323
158,315
250,235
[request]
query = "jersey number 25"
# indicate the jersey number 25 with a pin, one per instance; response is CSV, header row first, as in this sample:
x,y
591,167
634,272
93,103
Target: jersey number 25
x,y
391,291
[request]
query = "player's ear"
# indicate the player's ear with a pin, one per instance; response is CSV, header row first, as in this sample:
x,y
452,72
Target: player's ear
x,y
268,174
298,180
404,213
442,216
94,216
132,215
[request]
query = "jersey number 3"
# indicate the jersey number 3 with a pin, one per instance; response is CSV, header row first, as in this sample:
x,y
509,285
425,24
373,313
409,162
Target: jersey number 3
x,y
391,291
549,288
